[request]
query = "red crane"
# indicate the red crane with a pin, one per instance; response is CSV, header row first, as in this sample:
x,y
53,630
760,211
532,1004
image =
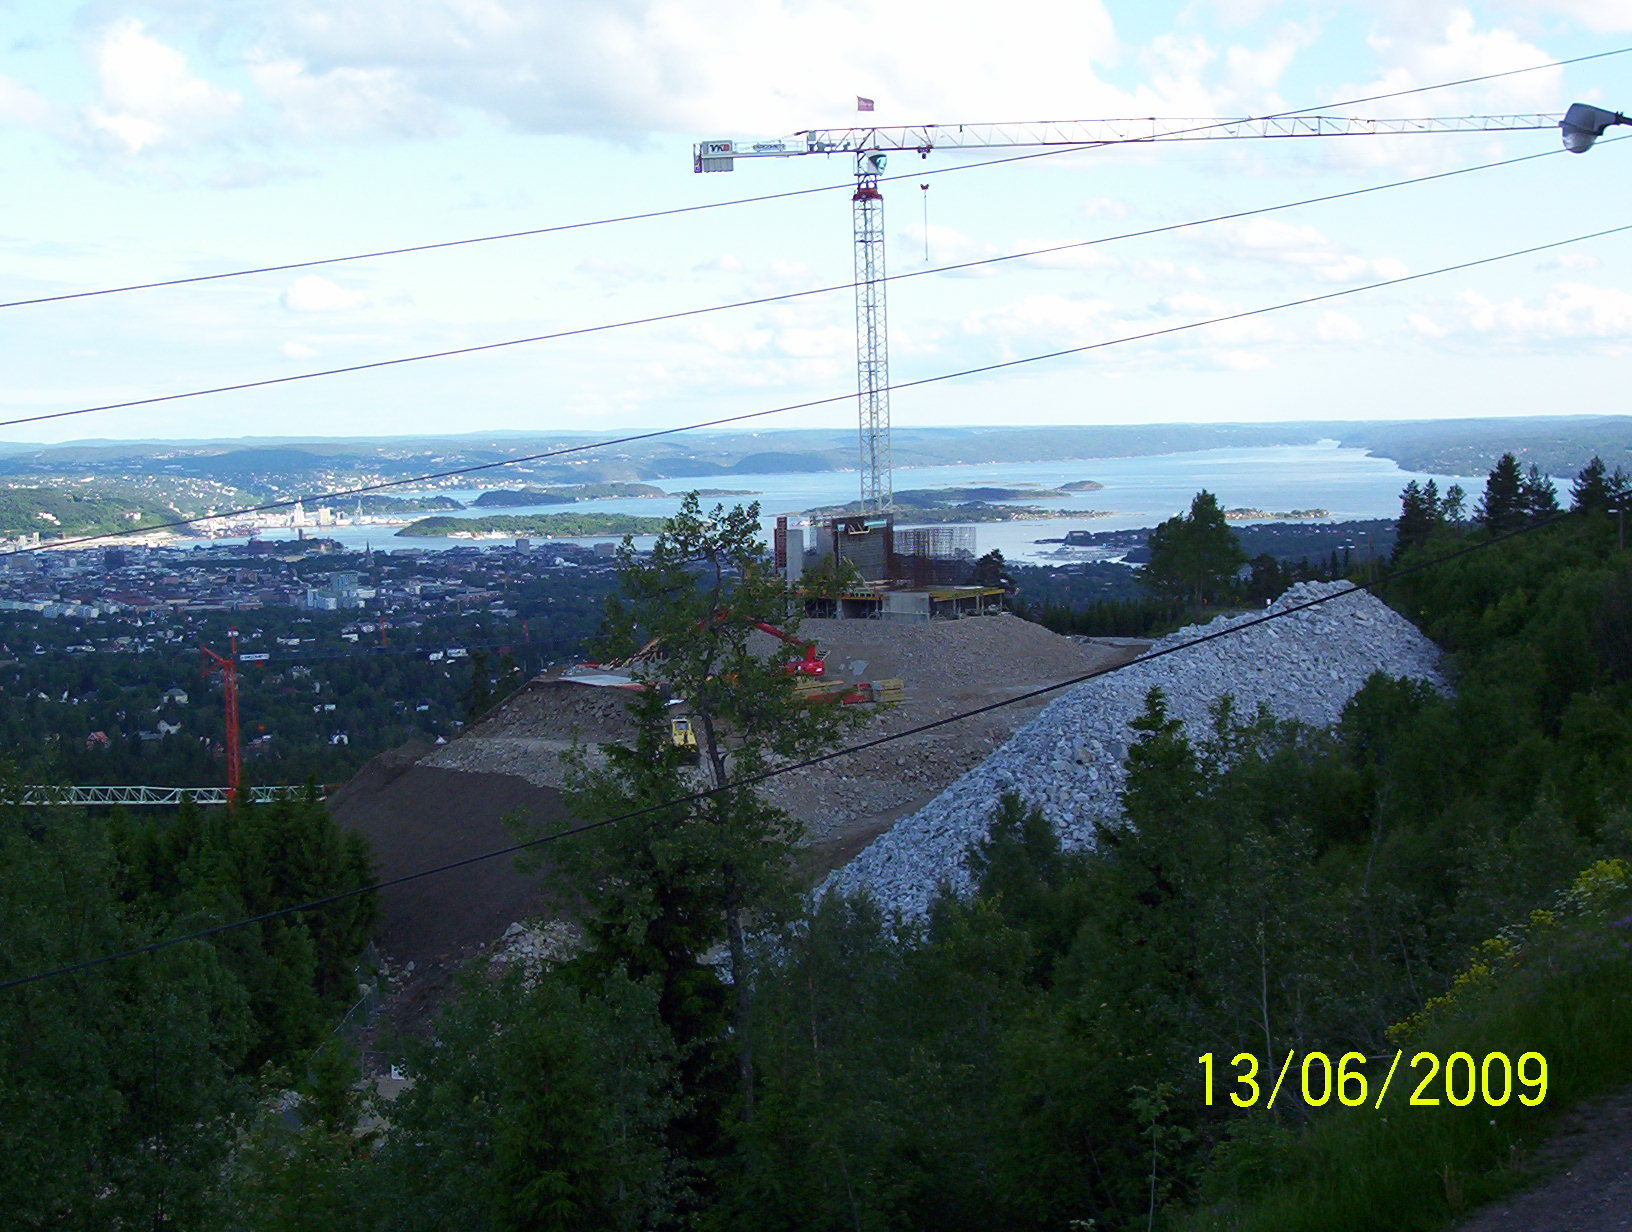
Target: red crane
x,y
228,667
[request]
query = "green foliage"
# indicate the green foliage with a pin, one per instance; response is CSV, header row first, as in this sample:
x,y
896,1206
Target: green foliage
x,y
1504,506
82,509
1194,555
828,579
992,570
535,1108
1423,511
663,888
1554,986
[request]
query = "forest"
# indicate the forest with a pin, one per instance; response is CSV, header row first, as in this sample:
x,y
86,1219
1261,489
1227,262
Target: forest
x,y
1436,874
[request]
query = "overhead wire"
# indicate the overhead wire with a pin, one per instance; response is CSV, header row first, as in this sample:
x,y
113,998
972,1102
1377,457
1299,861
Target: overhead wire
x,y
286,266
782,297
747,781
745,416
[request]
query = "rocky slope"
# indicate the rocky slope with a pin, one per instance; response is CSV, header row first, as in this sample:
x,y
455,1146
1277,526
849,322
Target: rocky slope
x,y
1069,759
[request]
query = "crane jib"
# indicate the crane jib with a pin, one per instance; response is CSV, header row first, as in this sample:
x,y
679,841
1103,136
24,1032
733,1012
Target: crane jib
x,y
718,154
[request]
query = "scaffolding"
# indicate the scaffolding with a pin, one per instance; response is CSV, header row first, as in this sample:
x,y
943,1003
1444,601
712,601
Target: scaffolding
x,y
927,556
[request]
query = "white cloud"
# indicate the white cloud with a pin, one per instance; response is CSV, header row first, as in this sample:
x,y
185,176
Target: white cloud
x,y
20,105
1307,248
148,94
1042,321
1573,261
1426,325
347,102
1189,304
299,350
1360,269
1338,327
1104,207
725,263
768,67
1169,272
1070,259
310,293
813,343
1604,16
1437,44
1239,361
1570,312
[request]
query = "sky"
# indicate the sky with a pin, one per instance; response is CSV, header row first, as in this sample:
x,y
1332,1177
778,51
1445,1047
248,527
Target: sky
x,y
145,142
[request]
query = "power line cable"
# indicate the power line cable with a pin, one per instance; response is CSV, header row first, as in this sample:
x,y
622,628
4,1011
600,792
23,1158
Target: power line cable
x,y
799,192
845,397
755,779
774,299
1277,115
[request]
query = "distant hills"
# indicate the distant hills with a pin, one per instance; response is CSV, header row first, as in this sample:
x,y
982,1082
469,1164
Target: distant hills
x,y
278,468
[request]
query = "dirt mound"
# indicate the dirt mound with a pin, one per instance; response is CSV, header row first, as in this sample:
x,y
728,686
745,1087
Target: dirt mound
x,y
422,807
416,816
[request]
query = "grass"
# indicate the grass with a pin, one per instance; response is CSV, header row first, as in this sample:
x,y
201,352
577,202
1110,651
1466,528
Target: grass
x,y
1563,989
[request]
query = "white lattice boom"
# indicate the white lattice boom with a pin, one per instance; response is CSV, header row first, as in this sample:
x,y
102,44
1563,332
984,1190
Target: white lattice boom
x,y
132,795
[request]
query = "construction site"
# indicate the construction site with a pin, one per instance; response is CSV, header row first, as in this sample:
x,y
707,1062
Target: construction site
x,y
419,806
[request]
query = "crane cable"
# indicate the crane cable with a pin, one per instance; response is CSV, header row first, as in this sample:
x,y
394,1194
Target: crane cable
x,y
782,297
799,192
815,402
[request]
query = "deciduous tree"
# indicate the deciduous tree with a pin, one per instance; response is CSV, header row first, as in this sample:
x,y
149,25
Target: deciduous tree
x,y
663,888
1194,555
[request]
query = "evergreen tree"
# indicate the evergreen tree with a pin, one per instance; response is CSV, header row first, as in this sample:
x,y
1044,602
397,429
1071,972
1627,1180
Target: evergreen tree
x,y
1538,496
1591,491
1420,515
992,570
1502,507
1452,510
1194,555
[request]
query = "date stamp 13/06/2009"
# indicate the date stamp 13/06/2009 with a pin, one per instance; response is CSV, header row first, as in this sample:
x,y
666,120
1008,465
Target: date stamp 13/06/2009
x,y
1460,1079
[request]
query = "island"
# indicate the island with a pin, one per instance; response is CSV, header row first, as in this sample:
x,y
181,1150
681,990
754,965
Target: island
x,y
539,525
1282,515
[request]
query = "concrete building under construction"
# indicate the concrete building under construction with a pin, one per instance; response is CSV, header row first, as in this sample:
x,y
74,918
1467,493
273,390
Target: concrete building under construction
x,y
915,573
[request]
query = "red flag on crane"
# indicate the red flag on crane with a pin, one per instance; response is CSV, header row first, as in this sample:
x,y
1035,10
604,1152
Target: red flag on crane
x,y
863,104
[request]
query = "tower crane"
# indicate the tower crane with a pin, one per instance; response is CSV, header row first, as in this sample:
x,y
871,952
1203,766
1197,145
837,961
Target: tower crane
x,y
871,147
227,665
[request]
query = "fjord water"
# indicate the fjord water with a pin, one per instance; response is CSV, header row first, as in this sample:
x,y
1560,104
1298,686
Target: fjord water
x,y
1138,491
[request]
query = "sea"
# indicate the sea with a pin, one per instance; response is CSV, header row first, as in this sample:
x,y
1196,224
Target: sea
x,y
1142,491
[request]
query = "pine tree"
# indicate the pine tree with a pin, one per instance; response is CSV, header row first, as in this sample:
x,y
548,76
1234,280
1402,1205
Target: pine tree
x,y
1538,496
1502,509
1590,491
1419,516
1453,509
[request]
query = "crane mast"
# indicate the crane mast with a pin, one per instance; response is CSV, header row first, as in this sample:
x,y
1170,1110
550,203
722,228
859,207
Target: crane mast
x,y
870,145
872,339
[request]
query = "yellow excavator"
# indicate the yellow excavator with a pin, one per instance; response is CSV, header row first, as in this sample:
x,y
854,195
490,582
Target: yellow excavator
x,y
684,737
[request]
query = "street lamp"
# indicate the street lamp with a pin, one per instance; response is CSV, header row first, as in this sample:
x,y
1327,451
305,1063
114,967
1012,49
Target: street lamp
x,y
1583,124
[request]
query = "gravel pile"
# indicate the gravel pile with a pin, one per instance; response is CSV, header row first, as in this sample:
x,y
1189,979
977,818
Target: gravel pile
x,y
1069,759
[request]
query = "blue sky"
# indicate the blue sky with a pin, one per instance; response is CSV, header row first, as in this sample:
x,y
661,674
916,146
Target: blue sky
x,y
180,137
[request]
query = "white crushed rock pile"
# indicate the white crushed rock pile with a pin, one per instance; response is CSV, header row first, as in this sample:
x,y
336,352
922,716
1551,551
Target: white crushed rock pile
x,y
1070,758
